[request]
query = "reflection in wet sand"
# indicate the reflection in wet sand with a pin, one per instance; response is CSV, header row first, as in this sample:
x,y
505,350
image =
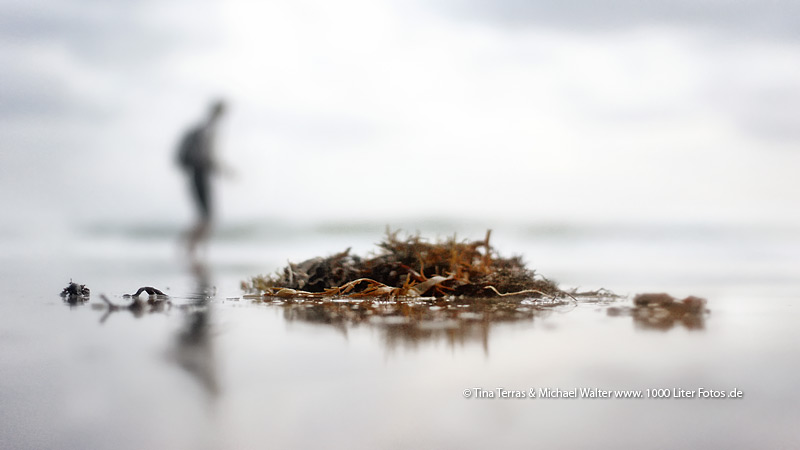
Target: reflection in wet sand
x,y
411,322
137,307
663,312
194,350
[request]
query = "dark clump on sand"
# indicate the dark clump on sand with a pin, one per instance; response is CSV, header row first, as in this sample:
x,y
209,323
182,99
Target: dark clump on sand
x,y
151,291
410,267
75,292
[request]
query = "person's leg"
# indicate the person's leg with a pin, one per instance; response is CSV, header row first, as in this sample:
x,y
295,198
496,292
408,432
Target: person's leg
x,y
202,194
199,233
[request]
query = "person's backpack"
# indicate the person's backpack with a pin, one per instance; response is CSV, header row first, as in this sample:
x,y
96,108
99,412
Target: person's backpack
x,y
189,150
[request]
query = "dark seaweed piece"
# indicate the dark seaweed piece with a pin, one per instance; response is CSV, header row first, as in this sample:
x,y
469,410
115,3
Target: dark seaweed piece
x,y
75,292
150,291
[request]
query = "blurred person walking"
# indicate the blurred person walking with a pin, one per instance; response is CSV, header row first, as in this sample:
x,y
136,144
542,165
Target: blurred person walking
x,y
197,158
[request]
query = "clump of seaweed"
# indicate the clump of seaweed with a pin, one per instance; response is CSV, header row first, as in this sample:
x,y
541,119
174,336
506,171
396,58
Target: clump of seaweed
x,y
409,268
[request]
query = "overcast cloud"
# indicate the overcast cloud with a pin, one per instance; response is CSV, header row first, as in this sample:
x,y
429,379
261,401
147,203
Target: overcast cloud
x,y
460,108
777,18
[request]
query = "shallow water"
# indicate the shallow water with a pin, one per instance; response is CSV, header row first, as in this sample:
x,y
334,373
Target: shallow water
x,y
215,370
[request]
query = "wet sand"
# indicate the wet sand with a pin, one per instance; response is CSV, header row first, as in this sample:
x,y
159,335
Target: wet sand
x,y
212,370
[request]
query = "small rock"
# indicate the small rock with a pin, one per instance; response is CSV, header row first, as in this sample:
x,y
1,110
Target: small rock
x,y
694,304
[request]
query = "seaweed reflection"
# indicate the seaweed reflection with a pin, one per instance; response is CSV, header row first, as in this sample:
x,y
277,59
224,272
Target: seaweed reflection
x,y
663,312
410,322
137,307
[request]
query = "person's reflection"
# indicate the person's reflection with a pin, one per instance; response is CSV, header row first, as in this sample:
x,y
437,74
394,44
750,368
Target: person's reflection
x,y
194,350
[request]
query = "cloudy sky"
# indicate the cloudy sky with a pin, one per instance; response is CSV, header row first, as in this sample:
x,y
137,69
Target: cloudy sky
x,y
537,111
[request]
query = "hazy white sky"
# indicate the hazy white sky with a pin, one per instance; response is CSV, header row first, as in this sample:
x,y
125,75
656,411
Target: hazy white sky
x,y
616,110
